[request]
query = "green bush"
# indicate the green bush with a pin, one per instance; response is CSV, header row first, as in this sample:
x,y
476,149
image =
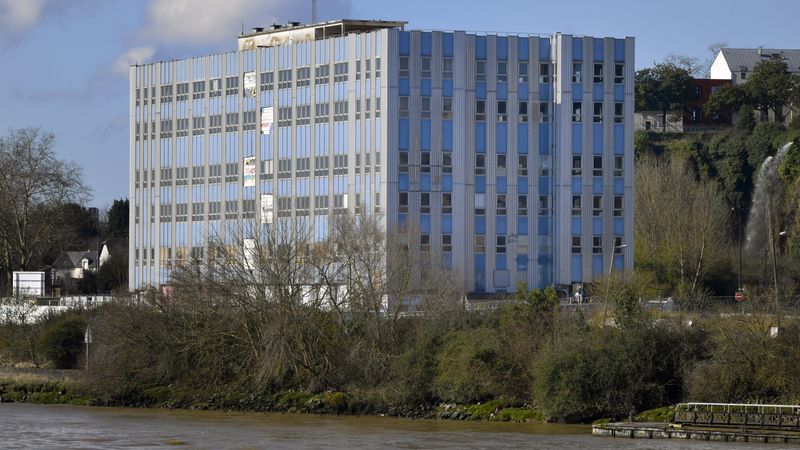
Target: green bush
x,y
466,366
62,341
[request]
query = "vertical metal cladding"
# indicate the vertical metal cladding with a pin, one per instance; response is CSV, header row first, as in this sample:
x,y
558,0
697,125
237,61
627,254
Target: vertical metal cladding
x,y
508,163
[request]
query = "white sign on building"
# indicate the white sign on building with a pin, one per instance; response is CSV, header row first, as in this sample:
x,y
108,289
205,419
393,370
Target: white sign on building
x,y
266,120
267,208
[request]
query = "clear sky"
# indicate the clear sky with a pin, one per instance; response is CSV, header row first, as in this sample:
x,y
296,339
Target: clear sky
x,y
63,63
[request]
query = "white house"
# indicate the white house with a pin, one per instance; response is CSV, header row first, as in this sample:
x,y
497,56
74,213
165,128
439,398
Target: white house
x,y
736,64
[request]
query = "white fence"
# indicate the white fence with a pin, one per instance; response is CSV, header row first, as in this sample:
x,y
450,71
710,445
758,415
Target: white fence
x,y
30,310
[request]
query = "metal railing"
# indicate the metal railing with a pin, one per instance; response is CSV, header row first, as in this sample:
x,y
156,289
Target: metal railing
x,y
784,417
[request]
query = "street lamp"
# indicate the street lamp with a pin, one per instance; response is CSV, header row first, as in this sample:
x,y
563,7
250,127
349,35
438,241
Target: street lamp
x,y
608,280
739,211
775,267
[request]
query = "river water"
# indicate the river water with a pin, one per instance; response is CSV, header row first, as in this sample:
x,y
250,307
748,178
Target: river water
x,y
50,427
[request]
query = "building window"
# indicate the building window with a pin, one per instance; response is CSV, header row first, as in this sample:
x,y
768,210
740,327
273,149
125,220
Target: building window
x,y
425,202
544,205
404,72
617,245
617,206
502,115
447,162
576,111
339,72
597,205
403,202
480,164
501,204
447,243
501,244
522,205
480,203
480,71
425,162
544,73
284,79
403,106
425,242
447,68
502,71
619,112
576,165
576,244
597,245
447,203
577,70
522,165
522,68
576,205
501,161
523,111
598,72
447,107
425,107
597,117
480,243
425,63
618,166
303,76
480,110
619,73
597,166
403,161
544,112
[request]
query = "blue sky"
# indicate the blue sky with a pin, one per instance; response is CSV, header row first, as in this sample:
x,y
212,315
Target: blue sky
x,y
63,62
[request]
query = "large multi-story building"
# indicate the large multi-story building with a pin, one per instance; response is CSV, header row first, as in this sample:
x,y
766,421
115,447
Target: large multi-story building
x,y
512,155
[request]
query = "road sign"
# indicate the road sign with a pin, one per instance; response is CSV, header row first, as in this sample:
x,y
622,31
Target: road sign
x,y
739,296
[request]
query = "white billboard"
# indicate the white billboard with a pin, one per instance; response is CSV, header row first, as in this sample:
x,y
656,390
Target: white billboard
x,y
267,120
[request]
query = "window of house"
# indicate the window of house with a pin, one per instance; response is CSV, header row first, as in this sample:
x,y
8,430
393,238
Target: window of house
x,y
447,242
480,243
544,205
447,68
425,162
597,116
480,203
447,162
501,204
597,166
403,160
618,166
425,107
618,206
403,106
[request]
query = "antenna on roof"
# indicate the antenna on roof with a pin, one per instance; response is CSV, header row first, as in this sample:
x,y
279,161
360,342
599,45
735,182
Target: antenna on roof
x,y
313,11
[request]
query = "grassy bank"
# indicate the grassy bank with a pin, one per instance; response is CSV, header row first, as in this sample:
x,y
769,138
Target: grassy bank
x,y
42,389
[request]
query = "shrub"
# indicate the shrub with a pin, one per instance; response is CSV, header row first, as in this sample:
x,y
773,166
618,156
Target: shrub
x,y
62,341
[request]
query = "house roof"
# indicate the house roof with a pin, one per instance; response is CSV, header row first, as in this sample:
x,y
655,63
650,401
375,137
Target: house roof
x,y
72,259
116,246
737,58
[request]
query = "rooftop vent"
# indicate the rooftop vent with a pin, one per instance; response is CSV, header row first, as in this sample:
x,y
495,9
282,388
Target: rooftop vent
x,y
258,29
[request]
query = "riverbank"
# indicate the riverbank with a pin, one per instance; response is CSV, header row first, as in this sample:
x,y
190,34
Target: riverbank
x,y
41,386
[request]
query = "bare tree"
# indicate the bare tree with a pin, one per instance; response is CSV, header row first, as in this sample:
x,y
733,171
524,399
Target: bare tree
x,y
680,223
34,185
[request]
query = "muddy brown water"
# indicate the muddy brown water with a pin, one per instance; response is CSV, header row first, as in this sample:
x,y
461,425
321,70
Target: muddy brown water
x,y
61,426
